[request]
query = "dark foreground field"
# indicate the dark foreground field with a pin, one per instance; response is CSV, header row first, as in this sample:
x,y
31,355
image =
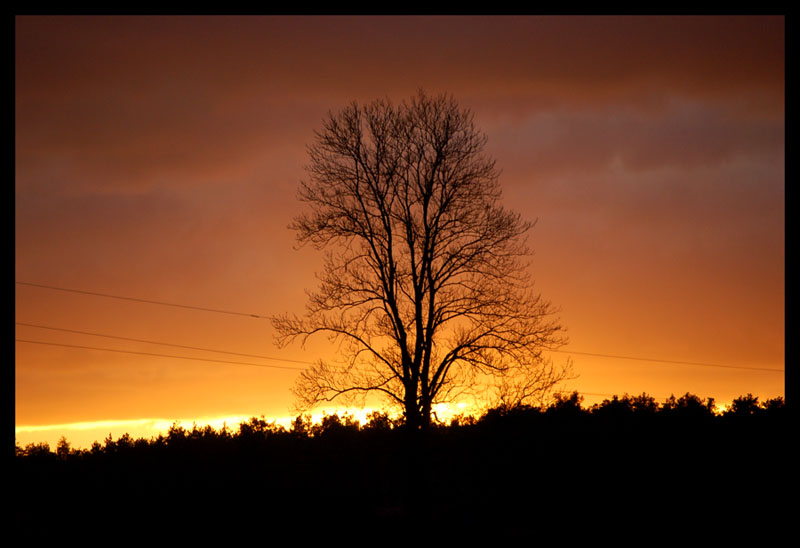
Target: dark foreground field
x,y
622,471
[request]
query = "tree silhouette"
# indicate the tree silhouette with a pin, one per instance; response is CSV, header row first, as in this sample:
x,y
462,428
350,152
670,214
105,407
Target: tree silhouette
x,y
63,448
425,284
745,405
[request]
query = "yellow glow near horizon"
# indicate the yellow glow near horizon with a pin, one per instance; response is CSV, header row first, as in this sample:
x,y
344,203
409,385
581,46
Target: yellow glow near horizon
x,y
81,435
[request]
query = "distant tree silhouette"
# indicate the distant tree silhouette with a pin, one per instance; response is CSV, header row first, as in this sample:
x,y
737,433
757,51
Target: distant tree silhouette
x,y
774,406
425,283
627,407
301,426
125,442
96,449
38,451
332,425
566,405
689,406
377,420
258,427
63,449
644,404
616,406
744,406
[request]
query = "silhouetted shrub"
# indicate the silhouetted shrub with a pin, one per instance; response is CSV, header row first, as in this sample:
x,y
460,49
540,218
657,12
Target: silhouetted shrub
x,y
689,406
566,407
378,421
744,406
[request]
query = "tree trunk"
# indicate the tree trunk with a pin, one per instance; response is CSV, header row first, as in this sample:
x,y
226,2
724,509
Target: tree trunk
x,y
425,418
413,417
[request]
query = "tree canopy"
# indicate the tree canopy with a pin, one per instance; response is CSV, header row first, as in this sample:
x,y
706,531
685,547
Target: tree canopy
x,y
426,283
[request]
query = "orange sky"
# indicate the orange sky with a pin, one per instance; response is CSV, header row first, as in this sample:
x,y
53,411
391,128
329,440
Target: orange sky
x,y
158,158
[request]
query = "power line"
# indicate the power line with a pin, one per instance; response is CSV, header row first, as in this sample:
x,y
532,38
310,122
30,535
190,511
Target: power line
x,y
219,311
161,355
217,361
161,343
669,361
621,357
312,363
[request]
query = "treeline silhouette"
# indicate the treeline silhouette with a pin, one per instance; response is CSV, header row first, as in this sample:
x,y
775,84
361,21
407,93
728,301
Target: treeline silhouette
x,y
627,462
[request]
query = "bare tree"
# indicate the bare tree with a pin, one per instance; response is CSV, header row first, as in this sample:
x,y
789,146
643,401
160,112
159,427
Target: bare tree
x,y
425,285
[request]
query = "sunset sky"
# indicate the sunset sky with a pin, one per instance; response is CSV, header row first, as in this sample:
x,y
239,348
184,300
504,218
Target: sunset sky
x,y
158,158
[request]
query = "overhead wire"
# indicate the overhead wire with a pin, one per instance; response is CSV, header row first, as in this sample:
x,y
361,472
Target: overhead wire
x,y
258,316
703,364
236,363
161,343
159,355
135,299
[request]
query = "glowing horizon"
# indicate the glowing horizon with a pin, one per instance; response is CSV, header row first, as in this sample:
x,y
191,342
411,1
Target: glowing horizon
x,y
82,435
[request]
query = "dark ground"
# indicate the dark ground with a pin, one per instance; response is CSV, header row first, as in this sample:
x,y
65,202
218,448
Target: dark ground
x,y
523,475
